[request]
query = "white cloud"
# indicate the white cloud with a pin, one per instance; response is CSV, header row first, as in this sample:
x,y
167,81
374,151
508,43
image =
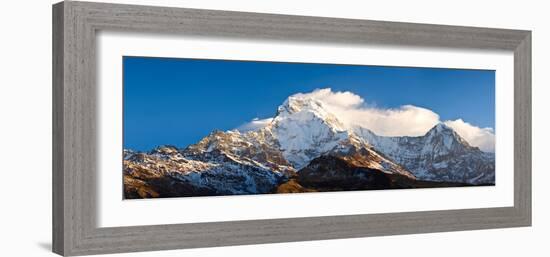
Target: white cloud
x,y
484,138
255,124
407,120
351,109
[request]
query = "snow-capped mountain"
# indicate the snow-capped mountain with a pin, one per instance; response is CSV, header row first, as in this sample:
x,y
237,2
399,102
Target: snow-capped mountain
x,y
167,171
304,130
305,148
439,155
256,148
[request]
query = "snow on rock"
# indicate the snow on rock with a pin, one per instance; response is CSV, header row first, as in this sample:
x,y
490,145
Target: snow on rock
x,y
302,132
440,155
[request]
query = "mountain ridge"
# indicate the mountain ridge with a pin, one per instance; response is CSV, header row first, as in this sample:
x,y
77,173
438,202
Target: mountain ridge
x,y
300,142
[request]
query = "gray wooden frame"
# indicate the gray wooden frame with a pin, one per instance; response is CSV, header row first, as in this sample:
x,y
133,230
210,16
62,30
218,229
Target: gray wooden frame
x,y
75,25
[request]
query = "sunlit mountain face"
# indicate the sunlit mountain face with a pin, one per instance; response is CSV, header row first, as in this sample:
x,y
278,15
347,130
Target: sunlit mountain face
x,y
306,147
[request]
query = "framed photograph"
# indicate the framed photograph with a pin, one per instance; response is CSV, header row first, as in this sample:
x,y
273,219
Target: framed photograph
x,y
183,128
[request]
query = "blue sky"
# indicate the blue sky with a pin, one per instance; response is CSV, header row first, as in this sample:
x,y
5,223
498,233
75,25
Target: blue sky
x,y
179,101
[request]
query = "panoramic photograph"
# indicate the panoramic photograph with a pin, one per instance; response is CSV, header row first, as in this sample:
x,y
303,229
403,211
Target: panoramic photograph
x,y
205,127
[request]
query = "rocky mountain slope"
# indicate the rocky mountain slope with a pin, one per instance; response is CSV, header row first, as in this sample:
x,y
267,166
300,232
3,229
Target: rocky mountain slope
x,y
305,148
440,155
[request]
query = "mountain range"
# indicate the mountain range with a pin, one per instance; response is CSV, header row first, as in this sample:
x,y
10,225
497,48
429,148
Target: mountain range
x,y
306,148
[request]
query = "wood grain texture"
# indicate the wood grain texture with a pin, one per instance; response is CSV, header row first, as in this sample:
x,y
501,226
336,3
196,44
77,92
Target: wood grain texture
x,y
58,218
522,128
75,25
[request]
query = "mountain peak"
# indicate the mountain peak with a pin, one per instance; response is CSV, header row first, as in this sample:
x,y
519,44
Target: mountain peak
x,y
302,107
446,138
440,127
297,103
305,128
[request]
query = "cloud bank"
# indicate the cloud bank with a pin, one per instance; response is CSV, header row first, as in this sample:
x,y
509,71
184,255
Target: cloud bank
x,y
484,138
407,120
